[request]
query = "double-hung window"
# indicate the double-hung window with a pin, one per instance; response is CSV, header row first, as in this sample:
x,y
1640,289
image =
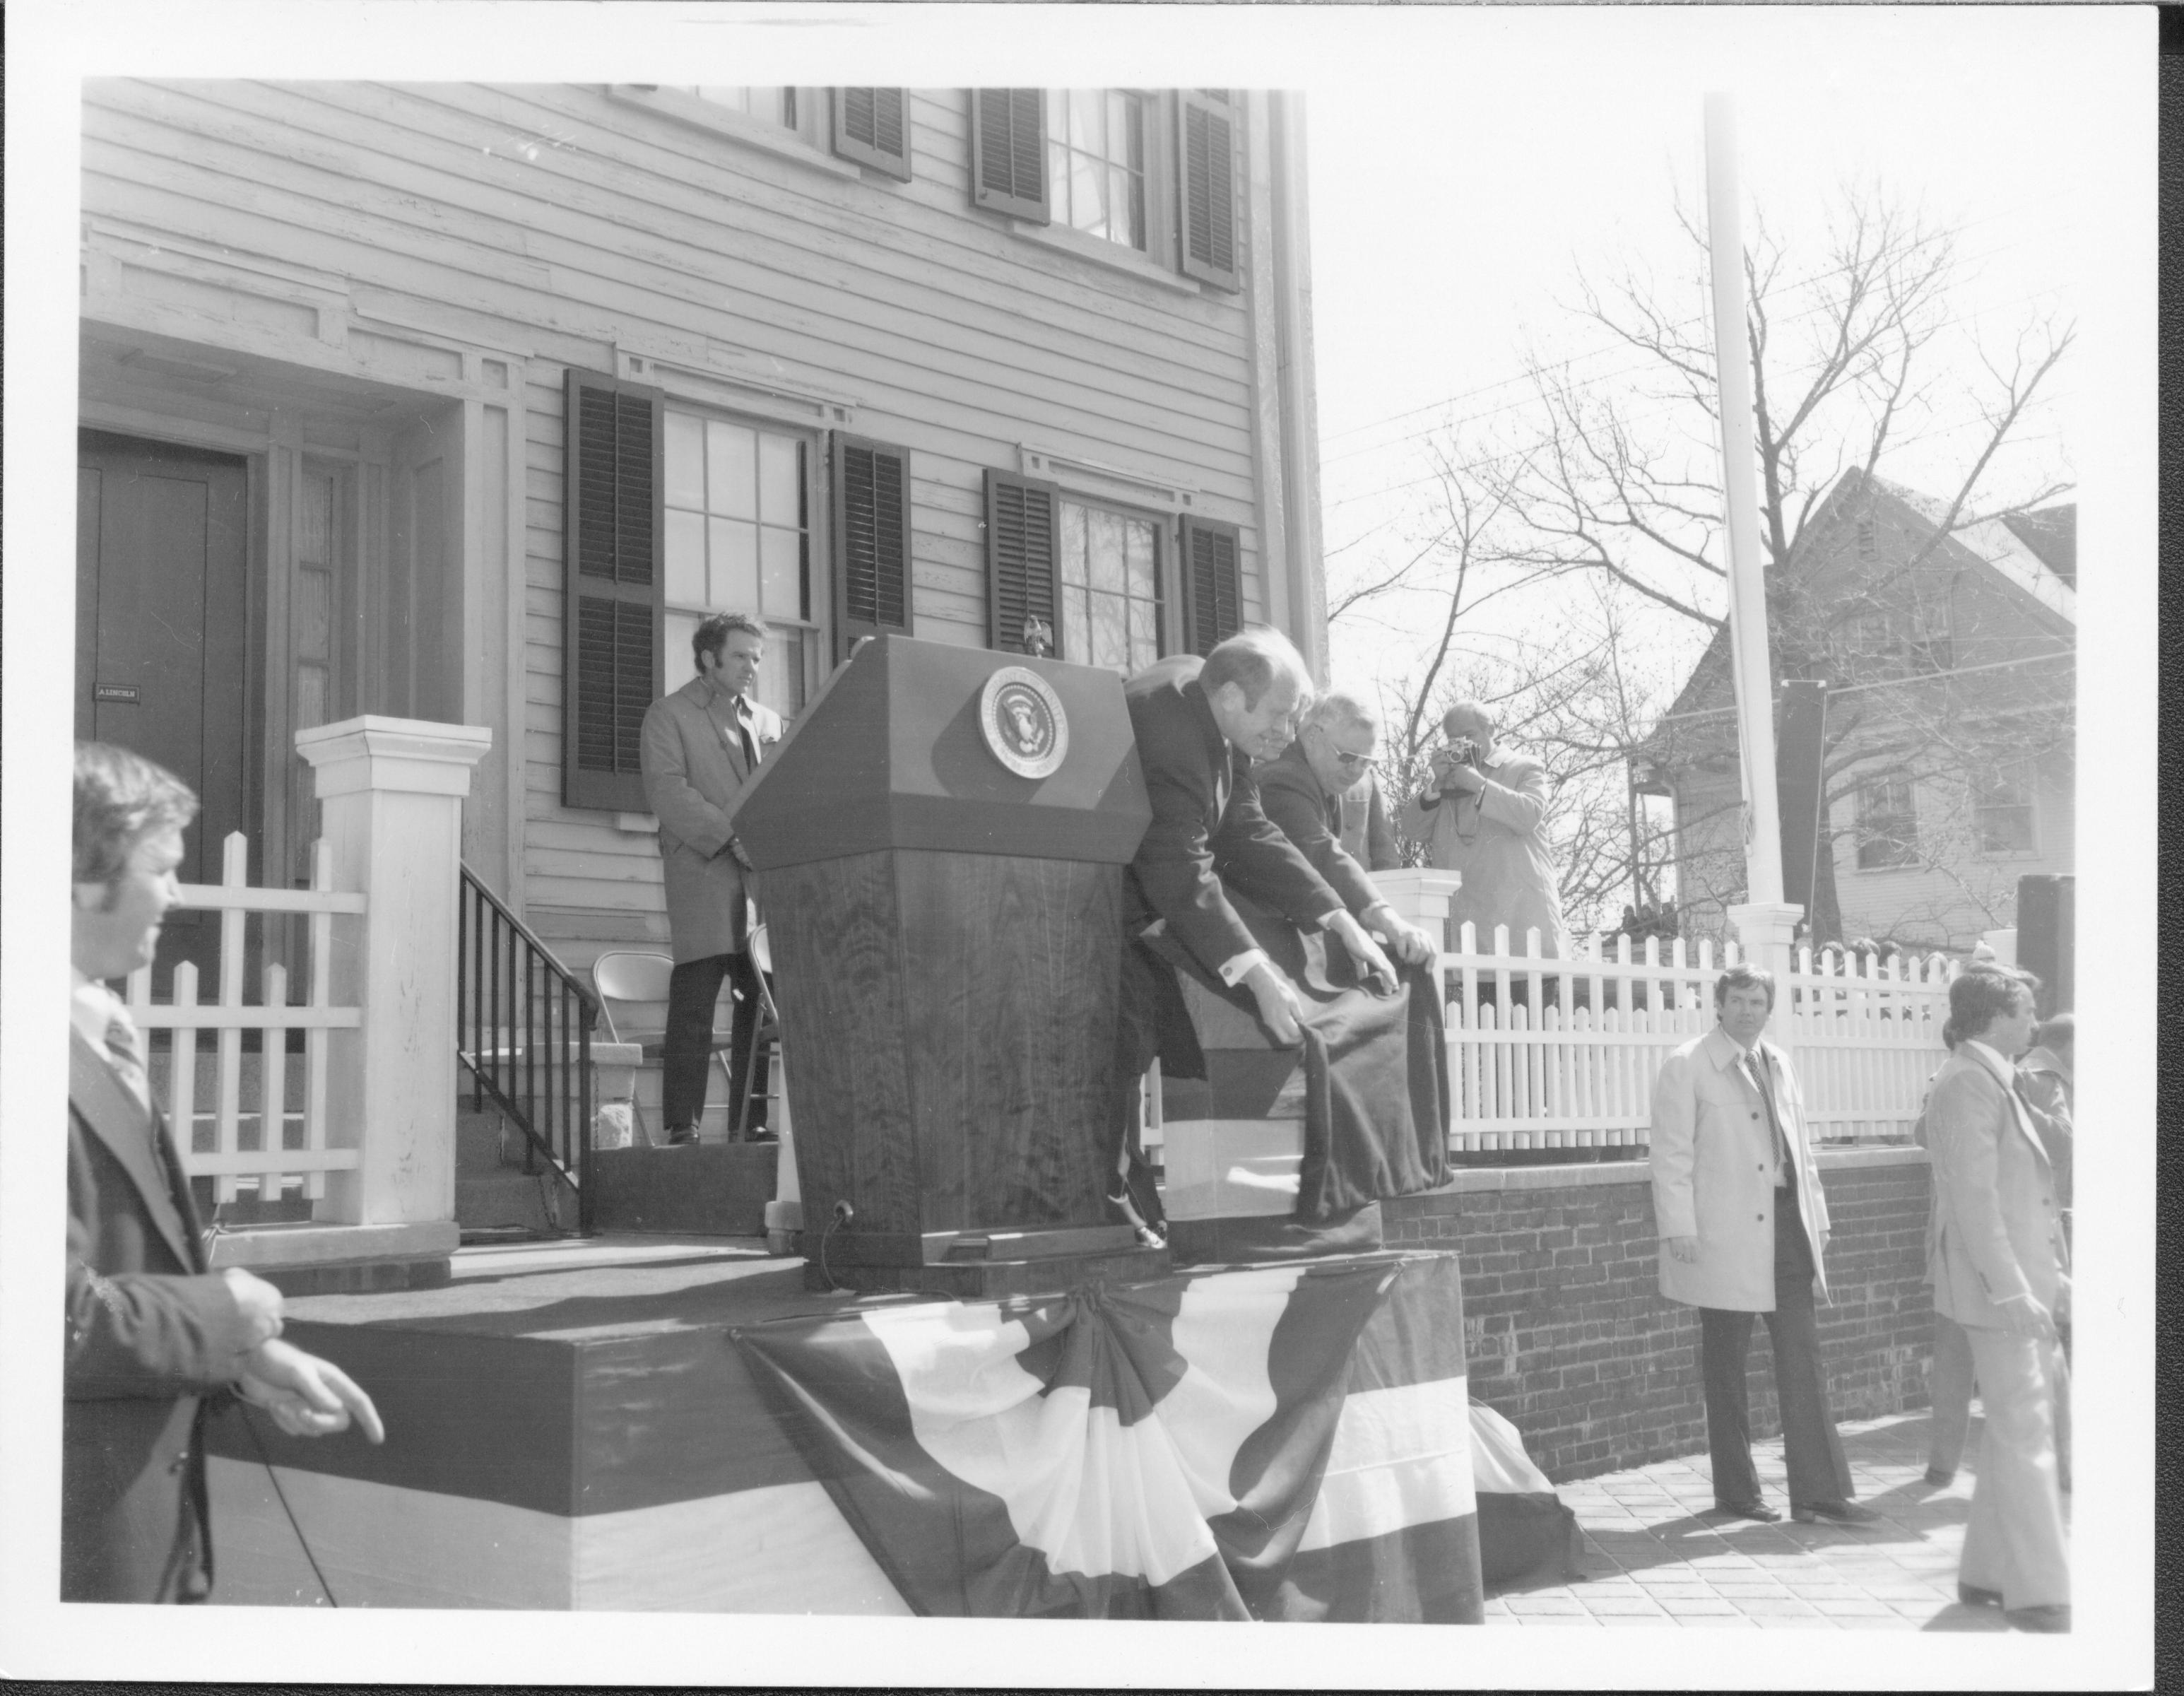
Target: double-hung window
x,y
1888,824
1110,599
2001,811
1095,152
738,536
1157,173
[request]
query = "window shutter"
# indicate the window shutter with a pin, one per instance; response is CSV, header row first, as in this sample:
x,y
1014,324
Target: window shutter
x,y
871,540
1008,151
1205,187
611,612
1213,587
1020,565
871,126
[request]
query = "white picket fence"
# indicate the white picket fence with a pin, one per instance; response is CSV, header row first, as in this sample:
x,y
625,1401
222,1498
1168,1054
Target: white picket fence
x,y
257,1140
1562,1053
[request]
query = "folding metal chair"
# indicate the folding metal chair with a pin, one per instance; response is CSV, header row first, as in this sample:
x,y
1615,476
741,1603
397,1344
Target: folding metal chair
x,y
634,985
765,1029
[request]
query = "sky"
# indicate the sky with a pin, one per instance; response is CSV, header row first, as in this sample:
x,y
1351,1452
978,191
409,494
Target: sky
x,y
1461,157
1456,201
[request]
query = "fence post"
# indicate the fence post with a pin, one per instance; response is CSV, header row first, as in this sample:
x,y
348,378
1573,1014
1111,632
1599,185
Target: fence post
x,y
392,790
1423,897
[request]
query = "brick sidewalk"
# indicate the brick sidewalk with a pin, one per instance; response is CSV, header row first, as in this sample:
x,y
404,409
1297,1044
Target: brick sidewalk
x,y
1650,1559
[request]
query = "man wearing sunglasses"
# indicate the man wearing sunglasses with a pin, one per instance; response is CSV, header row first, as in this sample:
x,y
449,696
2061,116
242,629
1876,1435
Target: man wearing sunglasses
x,y
1302,789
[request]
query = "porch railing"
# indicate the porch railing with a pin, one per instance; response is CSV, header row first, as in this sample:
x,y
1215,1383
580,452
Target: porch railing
x,y
1562,1053
259,1122
524,1029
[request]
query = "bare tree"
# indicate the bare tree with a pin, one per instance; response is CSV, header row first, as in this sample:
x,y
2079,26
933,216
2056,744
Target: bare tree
x,y
1615,482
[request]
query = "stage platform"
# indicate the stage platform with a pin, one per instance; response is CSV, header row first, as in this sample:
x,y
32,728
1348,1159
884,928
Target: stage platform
x,y
574,1425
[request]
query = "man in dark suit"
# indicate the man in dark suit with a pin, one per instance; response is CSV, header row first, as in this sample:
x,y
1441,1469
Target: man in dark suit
x,y
152,1336
697,749
1305,791
1199,725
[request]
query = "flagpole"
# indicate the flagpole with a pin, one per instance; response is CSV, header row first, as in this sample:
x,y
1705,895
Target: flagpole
x,y
1764,920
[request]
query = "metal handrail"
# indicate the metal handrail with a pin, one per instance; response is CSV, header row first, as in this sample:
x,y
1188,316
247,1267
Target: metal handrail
x,y
524,1029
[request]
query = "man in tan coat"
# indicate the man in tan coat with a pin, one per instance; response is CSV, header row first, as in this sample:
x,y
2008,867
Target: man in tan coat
x,y
697,749
1995,1256
1744,1225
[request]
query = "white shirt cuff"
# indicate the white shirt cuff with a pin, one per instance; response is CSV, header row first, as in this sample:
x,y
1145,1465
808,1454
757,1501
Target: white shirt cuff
x,y
1233,972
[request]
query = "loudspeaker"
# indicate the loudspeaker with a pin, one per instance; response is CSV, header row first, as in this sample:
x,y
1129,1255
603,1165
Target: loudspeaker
x,y
2047,937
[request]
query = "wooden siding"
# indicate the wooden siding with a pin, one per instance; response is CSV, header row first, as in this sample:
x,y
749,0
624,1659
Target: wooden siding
x,y
559,223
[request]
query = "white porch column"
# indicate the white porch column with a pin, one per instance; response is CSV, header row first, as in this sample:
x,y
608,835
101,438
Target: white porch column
x,y
1765,930
393,792
1423,896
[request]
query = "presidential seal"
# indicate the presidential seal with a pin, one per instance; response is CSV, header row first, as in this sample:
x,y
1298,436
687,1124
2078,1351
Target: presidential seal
x,y
1023,723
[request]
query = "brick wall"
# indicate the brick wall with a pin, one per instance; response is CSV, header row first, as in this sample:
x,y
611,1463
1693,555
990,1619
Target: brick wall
x,y
1570,1337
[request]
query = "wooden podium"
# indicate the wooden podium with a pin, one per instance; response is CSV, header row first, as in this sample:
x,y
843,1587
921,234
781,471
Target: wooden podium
x,y
941,844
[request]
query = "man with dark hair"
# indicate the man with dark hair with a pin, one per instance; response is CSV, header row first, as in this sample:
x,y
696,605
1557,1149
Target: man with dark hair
x,y
1743,1222
697,749
155,1339
1995,1256
1199,725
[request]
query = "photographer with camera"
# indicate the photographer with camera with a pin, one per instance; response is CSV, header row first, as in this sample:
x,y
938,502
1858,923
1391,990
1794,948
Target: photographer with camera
x,y
1483,813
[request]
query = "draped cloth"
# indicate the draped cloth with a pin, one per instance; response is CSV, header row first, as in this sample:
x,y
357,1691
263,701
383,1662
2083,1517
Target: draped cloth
x,y
1370,1080
1279,1442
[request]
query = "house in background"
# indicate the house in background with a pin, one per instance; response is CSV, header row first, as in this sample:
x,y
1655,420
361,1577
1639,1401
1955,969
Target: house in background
x,y
465,402
1949,766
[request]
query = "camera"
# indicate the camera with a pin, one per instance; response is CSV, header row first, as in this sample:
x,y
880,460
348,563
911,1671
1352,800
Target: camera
x,y
1463,751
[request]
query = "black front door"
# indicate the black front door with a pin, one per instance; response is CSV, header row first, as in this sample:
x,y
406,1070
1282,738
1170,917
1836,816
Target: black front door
x,y
161,640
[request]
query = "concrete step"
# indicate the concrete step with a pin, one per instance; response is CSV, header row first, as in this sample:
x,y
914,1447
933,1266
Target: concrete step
x,y
506,1200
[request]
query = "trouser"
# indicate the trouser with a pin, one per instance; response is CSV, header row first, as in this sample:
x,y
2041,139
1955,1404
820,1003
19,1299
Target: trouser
x,y
686,1052
1149,995
1949,1385
1819,1471
2014,1541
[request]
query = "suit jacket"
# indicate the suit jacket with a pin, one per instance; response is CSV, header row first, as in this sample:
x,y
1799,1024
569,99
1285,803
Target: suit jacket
x,y
1992,1227
150,1334
1207,828
1495,840
1312,818
1713,1167
692,769
1367,835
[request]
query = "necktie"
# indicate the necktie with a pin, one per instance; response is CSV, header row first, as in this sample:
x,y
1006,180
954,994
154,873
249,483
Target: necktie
x,y
126,1058
1755,1067
742,730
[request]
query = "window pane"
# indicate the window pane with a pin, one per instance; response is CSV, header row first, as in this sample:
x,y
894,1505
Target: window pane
x,y
735,567
731,470
1072,542
1111,631
736,99
1139,557
686,558
1105,550
1088,197
781,571
1069,626
1145,633
686,465
780,489
781,677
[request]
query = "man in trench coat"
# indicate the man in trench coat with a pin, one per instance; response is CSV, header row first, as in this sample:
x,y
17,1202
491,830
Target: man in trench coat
x,y
697,749
1743,1222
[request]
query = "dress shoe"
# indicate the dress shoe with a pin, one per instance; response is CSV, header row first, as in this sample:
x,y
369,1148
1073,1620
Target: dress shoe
x,y
1835,1513
1939,1479
2051,1617
1747,1510
1974,1596
682,1136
